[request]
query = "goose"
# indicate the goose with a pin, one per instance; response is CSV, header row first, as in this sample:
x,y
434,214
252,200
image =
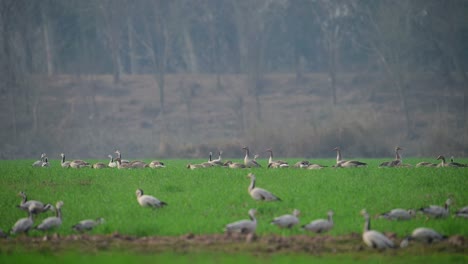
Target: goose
x,y
394,163
112,163
259,193
99,165
63,163
456,164
121,165
346,163
287,220
425,164
247,160
33,206
320,225
423,234
76,164
243,226
38,163
275,163
138,164
443,163
87,225
156,164
218,161
302,164
194,166
119,155
463,212
53,221
315,166
45,163
437,211
234,165
398,214
373,238
23,225
134,163
148,200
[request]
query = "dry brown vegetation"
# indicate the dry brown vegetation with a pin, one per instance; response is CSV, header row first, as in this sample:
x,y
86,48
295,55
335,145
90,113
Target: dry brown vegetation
x,y
91,116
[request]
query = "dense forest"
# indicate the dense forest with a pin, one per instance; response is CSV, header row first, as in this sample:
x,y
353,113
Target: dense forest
x,y
62,60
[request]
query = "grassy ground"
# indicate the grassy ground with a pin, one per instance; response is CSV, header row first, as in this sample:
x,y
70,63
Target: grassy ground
x,y
203,201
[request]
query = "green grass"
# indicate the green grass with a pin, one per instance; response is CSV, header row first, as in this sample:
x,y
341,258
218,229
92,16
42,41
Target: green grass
x,y
203,201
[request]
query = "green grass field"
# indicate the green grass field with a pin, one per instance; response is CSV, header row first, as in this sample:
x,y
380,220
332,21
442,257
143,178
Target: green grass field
x,y
203,201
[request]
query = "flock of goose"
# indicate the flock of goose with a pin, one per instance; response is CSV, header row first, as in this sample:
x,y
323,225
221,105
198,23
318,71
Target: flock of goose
x,y
248,162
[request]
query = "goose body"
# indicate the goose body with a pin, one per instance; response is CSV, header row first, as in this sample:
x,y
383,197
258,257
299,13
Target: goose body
x,y
99,165
148,200
303,164
23,225
320,225
394,163
340,163
373,238
38,163
138,165
76,164
63,163
437,211
423,234
246,226
87,225
259,193
463,212
398,214
155,164
54,221
194,166
425,164
287,220
315,167
248,162
234,165
275,163
452,164
112,163
121,165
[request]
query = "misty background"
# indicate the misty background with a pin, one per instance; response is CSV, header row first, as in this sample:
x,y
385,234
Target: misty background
x,y
180,78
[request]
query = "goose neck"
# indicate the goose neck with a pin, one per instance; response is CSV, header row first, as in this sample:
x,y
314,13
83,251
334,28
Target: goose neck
x,y
367,225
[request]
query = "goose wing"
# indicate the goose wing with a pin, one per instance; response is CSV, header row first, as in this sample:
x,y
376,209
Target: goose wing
x,y
262,194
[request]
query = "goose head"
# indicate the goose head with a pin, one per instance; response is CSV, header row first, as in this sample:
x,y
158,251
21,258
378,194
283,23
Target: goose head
x,y
336,149
296,212
139,192
251,176
59,205
441,157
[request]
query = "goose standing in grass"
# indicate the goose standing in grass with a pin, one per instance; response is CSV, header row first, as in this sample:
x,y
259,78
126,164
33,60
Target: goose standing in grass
x,y
437,211
99,165
112,163
275,163
463,212
246,226
23,225
320,225
398,214
53,221
443,163
38,163
155,164
340,163
33,206
234,165
372,238
87,225
63,163
148,200
423,234
287,220
394,163
259,193
247,160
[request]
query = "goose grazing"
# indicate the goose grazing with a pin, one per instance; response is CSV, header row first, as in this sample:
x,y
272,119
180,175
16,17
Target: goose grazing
x,y
234,165
437,211
99,165
259,193
340,163
372,238
443,163
63,163
320,225
398,214
38,163
33,206
155,164
275,163
112,163
248,162
53,221
287,220
23,225
243,226
148,200
87,225
463,212
423,234
394,163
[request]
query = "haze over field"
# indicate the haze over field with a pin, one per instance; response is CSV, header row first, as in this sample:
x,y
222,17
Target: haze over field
x,y
182,78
